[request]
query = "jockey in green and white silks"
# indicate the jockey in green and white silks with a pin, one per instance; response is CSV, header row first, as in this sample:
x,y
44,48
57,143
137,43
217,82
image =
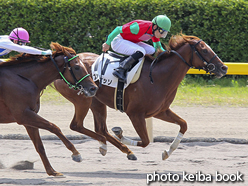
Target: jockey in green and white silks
x,y
128,39
16,42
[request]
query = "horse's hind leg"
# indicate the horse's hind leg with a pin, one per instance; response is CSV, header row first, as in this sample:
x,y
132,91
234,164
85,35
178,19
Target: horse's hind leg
x,y
139,124
35,137
170,116
99,111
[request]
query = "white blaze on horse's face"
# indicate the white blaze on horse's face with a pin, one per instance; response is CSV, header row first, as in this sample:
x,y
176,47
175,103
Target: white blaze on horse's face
x,y
212,51
209,48
82,64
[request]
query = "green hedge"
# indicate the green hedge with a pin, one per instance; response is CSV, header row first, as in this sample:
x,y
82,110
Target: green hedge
x,y
84,24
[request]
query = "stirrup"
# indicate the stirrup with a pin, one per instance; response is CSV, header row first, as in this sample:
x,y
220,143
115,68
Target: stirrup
x,y
120,73
115,73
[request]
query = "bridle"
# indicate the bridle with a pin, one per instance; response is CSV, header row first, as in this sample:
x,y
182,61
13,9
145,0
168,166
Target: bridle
x,y
67,65
210,67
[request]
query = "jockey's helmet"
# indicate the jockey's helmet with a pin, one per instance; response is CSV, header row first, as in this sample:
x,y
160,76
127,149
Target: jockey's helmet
x,y
20,35
163,22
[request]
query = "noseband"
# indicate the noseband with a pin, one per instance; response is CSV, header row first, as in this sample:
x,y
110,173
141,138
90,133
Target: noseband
x,y
67,65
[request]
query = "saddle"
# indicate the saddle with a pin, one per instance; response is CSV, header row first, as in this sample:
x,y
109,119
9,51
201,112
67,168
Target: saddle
x,y
103,68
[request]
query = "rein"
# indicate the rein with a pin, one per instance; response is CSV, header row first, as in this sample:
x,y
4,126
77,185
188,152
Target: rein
x,y
67,63
209,65
154,62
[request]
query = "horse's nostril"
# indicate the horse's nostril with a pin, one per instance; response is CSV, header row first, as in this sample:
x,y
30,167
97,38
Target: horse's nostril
x,y
224,68
93,89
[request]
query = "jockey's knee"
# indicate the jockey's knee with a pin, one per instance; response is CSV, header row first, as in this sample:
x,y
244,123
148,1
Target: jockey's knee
x,y
138,54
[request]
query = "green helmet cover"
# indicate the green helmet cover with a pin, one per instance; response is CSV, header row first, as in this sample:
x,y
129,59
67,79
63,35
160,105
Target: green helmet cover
x,y
163,22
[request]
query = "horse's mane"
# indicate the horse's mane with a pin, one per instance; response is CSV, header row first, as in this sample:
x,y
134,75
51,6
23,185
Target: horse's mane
x,y
57,50
175,42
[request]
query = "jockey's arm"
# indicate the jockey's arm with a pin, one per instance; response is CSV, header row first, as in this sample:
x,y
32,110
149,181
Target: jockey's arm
x,y
158,45
113,34
21,49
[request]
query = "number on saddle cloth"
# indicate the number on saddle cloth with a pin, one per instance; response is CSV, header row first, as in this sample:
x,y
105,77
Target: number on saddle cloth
x,y
110,62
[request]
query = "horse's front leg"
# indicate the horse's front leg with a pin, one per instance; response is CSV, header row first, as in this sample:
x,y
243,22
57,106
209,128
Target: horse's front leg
x,y
170,116
35,137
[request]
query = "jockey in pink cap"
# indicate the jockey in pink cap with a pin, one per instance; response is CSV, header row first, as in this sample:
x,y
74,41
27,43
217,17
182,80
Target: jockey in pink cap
x,y
16,41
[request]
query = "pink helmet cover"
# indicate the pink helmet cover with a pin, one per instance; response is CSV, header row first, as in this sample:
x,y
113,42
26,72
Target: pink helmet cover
x,y
19,34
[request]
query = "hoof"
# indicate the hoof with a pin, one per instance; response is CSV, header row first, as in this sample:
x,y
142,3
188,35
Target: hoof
x,y
117,130
103,151
77,158
58,175
103,148
165,155
131,157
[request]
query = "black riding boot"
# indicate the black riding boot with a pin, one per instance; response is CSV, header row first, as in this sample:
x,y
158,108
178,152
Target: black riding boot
x,y
121,71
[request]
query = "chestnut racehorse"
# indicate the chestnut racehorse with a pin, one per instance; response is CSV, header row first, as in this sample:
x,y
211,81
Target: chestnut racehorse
x,y
144,99
23,78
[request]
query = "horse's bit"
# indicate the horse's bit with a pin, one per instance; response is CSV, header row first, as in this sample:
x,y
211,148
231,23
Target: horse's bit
x,y
67,65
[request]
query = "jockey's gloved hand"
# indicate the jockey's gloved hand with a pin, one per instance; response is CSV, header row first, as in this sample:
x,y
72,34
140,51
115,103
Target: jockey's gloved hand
x,y
47,52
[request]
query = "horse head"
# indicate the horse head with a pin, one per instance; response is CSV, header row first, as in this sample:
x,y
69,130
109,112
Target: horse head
x,y
203,57
74,71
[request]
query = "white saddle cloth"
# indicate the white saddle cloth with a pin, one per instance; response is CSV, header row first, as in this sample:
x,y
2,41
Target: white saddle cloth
x,y
108,66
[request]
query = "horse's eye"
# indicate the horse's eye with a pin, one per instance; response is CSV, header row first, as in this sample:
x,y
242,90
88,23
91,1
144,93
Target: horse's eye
x,y
77,67
205,51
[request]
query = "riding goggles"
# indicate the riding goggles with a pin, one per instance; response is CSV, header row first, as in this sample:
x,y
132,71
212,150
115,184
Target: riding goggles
x,y
21,43
162,32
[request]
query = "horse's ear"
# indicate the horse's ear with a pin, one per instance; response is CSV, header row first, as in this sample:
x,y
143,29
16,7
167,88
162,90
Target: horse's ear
x,y
68,54
52,45
56,46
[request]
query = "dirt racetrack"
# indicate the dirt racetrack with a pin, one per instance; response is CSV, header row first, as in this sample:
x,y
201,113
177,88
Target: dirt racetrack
x,y
214,147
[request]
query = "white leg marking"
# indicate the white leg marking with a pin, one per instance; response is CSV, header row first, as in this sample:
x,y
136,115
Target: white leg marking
x,y
127,141
173,146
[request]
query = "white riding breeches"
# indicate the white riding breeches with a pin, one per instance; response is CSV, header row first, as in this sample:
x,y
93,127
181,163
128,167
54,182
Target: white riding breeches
x,y
126,47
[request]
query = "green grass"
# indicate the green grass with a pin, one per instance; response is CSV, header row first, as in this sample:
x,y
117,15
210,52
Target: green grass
x,y
207,96
51,96
202,90
207,91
